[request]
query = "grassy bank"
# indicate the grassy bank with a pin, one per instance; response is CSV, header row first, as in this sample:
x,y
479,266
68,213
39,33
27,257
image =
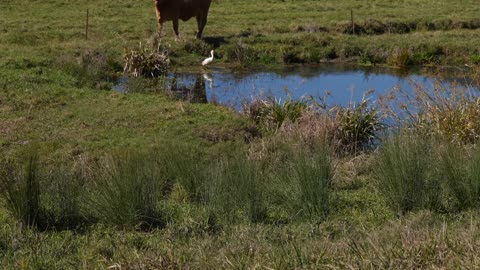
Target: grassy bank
x,y
258,32
310,193
283,207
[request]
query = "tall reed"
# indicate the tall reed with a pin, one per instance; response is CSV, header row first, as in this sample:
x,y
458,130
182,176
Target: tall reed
x,y
446,112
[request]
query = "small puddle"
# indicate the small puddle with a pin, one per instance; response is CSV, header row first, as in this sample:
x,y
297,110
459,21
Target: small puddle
x,y
343,84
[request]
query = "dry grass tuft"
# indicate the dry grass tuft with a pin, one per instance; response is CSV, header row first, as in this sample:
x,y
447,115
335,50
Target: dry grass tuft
x,y
146,62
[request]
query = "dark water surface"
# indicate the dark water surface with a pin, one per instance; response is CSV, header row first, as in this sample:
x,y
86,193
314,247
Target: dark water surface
x,y
343,84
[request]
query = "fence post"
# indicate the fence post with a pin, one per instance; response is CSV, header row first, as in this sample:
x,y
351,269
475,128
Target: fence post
x,y
353,22
86,26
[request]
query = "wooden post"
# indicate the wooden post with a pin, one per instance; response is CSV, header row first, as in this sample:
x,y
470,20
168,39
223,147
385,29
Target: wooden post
x,y
86,27
353,22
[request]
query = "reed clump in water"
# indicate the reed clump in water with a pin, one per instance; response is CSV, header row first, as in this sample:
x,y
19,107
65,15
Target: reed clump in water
x,y
272,113
146,62
350,128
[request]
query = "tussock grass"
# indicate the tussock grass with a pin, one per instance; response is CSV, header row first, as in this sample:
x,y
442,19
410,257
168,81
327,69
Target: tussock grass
x,y
41,199
127,189
136,188
62,190
187,167
237,189
460,169
21,191
272,113
406,173
350,129
305,182
356,126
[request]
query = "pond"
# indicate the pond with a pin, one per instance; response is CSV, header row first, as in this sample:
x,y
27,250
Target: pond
x,y
336,84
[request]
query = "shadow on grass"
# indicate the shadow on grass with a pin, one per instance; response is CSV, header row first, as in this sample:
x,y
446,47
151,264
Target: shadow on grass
x,y
216,41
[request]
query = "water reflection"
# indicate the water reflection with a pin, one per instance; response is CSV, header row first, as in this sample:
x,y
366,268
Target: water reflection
x,y
183,90
344,83
208,78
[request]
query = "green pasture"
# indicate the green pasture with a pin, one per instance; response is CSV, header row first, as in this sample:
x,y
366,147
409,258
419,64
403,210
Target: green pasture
x,y
93,179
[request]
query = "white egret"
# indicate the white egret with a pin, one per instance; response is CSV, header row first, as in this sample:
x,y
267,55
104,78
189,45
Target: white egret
x,y
208,60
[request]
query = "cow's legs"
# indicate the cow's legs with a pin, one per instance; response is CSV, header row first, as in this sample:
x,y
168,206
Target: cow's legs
x,y
159,20
175,28
160,30
201,22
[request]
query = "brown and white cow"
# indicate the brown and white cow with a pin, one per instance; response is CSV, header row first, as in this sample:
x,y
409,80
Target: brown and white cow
x,y
175,10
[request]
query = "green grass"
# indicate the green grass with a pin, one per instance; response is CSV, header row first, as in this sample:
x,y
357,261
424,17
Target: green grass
x,y
314,210
406,174
22,193
399,244
141,180
127,190
237,190
461,174
305,183
297,32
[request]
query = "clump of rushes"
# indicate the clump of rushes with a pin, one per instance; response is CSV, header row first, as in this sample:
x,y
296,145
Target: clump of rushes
x,y
405,173
272,113
356,126
240,188
39,198
21,191
146,62
312,174
185,168
237,189
61,199
127,190
352,128
461,172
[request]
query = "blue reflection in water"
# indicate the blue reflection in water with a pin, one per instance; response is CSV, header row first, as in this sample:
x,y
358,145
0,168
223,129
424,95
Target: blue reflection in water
x,y
344,84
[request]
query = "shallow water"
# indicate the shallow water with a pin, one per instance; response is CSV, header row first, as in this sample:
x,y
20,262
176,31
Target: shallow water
x,y
339,84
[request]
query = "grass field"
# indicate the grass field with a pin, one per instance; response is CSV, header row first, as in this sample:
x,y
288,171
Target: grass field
x,y
91,178
252,32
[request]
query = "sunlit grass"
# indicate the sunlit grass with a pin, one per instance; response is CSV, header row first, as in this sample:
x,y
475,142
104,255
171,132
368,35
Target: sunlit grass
x,y
222,207
406,173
